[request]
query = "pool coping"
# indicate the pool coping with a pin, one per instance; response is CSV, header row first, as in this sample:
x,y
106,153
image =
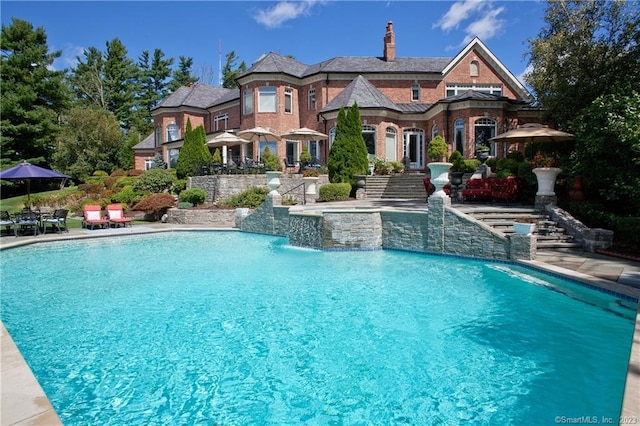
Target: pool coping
x,y
23,401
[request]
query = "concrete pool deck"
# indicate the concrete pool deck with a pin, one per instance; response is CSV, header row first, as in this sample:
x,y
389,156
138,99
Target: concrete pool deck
x,y
23,402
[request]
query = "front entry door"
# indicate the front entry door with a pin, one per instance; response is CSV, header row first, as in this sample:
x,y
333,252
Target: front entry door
x,y
414,148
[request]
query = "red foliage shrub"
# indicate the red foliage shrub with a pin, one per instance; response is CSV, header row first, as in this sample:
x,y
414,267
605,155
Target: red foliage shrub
x,y
155,204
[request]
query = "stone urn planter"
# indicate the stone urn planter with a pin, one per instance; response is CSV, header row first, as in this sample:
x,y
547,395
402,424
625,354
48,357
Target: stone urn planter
x,y
523,228
273,180
439,177
361,180
546,180
310,185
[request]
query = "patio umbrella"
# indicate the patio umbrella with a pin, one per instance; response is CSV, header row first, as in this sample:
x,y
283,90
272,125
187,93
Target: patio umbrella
x,y
226,139
304,134
532,132
27,171
259,134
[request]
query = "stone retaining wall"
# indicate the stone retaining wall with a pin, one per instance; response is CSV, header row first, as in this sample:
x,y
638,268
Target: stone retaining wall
x,y
219,218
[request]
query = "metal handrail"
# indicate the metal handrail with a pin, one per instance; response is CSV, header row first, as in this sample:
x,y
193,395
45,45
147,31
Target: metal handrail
x,y
304,192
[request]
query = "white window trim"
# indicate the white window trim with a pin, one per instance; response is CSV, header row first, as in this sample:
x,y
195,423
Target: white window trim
x,y
415,92
458,88
311,99
288,95
221,118
267,99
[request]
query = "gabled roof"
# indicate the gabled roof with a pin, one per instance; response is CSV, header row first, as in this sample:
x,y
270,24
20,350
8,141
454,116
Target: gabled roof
x,y
147,143
360,90
484,51
276,63
198,96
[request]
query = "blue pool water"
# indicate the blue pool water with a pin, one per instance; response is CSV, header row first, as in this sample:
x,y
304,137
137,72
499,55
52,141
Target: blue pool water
x,y
235,329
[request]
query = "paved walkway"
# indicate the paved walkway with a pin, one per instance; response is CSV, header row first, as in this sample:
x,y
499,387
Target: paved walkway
x,y
23,401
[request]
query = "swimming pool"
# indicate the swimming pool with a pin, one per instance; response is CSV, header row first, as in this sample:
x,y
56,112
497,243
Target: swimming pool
x,y
232,328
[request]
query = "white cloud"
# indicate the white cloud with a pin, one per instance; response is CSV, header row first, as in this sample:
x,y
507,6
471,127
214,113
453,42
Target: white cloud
x,y
68,59
284,11
457,13
486,27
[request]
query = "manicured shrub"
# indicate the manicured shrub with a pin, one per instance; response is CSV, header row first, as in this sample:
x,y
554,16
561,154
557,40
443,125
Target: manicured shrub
x,y
100,173
118,173
334,192
348,156
125,181
135,172
127,196
184,205
251,198
194,196
154,180
194,152
270,160
155,204
217,157
437,148
179,185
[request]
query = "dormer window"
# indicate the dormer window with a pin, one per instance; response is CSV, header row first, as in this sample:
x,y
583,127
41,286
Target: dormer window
x,y
474,68
415,92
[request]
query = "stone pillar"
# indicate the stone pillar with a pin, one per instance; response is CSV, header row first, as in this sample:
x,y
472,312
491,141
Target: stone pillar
x,y
597,238
523,247
542,200
436,223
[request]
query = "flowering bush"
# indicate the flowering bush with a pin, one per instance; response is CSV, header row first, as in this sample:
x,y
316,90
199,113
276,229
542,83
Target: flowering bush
x,y
542,159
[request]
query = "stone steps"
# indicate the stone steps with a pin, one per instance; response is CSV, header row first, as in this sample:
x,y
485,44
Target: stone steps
x,y
407,185
548,233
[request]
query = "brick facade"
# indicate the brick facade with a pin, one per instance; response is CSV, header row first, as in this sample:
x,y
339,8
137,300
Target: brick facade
x,y
475,67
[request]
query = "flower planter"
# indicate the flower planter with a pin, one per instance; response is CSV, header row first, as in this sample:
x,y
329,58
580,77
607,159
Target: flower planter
x,y
439,177
546,180
310,183
523,228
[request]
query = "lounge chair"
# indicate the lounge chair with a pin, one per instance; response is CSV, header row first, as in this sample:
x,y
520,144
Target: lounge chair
x,y
93,217
7,223
58,221
116,217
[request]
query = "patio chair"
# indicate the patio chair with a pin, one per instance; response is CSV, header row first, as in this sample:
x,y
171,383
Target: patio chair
x,y
93,217
57,221
289,165
28,219
115,215
7,223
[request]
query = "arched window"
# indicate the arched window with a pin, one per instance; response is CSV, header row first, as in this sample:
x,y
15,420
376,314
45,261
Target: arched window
x,y
369,135
434,131
485,129
458,131
332,136
390,144
474,68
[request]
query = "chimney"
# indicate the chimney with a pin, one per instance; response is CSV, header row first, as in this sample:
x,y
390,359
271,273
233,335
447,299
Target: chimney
x,y
389,43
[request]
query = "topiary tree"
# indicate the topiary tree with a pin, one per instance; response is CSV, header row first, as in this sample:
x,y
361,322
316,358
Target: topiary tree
x,y
194,152
437,148
348,155
217,157
270,161
305,156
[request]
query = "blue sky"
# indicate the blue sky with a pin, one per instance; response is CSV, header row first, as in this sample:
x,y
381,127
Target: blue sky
x,y
311,31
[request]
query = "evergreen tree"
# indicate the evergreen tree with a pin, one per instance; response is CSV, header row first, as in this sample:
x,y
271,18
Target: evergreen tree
x,y
126,157
158,162
348,155
33,95
183,75
151,88
194,152
229,74
120,73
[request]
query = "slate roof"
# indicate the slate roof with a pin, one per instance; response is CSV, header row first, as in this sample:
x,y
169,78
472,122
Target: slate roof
x,y
367,64
364,93
198,95
147,143
276,63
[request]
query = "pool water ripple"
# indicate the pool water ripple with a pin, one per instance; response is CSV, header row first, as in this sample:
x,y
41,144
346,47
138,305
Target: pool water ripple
x,y
235,329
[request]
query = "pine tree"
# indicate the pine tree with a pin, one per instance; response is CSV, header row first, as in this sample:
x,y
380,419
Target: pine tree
x,y
182,76
120,73
194,152
229,74
33,95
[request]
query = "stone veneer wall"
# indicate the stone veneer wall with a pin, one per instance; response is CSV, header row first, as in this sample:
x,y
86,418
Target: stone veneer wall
x,y
220,218
222,187
591,239
441,229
